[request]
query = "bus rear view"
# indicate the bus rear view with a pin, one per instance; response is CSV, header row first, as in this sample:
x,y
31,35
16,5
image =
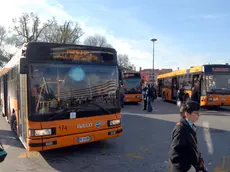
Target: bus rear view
x,y
132,87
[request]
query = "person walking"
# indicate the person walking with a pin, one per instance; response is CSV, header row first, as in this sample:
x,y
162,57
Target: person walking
x,y
144,95
154,93
195,92
149,98
180,96
184,155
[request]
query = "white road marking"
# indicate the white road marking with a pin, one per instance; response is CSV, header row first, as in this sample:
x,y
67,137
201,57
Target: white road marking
x,y
207,137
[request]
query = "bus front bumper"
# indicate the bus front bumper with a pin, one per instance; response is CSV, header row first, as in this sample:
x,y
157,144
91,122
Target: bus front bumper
x,y
215,100
133,98
70,140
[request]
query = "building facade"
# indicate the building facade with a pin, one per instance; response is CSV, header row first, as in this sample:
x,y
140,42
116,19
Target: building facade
x,y
146,74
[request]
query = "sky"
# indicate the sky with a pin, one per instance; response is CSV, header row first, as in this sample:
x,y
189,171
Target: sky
x,y
188,32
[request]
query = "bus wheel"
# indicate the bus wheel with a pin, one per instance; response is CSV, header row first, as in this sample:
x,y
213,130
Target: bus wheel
x,y
13,125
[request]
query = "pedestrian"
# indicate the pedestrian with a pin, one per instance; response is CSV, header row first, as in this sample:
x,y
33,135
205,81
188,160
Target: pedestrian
x,y
149,98
184,155
154,93
122,95
180,95
195,92
144,95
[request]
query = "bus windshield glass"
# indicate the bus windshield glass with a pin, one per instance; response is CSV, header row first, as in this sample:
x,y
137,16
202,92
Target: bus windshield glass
x,y
58,86
218,83
132,84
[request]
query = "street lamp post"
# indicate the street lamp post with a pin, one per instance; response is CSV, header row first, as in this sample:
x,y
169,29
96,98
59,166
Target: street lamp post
x,y
153,40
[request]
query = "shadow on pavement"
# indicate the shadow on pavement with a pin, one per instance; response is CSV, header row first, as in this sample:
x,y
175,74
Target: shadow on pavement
x,y
7,138
143,146
167,108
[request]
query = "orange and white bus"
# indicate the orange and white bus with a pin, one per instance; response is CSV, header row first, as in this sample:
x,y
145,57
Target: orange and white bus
x,y
132,87
213,84
58,95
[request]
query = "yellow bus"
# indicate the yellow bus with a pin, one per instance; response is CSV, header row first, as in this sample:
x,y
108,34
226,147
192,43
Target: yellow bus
x,y
59,95
132,87
213,84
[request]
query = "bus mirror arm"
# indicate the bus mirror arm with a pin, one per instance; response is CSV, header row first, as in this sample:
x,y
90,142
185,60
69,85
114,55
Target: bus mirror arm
x,y
120,76
24,67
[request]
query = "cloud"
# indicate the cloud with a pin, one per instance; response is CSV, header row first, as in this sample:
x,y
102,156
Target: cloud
x,y
167,55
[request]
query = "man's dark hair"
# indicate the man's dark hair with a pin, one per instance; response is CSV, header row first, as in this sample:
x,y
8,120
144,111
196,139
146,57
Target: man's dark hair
x,y
189,107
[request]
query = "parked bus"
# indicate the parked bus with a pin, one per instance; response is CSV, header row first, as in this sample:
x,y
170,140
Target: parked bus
x,y
58,95
132,87
213,81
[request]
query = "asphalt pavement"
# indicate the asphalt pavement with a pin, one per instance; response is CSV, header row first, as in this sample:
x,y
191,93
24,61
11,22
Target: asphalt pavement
x,y
143,146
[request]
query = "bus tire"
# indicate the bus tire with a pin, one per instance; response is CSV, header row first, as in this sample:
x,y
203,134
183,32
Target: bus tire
x,y
13,125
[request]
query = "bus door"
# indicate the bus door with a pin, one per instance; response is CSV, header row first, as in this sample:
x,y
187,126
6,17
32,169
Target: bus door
x,y
5,95
160,85
196,78
22,107
174,88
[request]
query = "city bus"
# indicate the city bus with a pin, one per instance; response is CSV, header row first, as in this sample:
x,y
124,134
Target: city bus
x,y
59,95
132,87
213,81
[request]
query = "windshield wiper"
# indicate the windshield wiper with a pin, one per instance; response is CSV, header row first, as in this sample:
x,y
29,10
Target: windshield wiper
x,y
99,106
63,111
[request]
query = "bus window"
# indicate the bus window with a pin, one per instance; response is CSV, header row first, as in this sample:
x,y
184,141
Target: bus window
x,y
79,84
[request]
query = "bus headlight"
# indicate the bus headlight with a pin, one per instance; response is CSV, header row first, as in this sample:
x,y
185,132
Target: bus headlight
x,y
42,132
210,99
114,122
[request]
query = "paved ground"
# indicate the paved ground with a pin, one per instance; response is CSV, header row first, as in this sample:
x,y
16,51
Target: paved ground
x,y
142,147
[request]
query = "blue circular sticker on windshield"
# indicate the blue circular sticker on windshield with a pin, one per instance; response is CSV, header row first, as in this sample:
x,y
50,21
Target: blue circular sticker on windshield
x,y
77,74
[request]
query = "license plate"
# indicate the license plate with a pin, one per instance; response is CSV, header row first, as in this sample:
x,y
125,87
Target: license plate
x,y
223,99
84,139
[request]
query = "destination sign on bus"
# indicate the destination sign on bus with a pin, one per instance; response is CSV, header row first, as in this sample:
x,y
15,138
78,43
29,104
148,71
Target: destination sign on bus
x,y
132,75
127,75
217,69
77,55
220,69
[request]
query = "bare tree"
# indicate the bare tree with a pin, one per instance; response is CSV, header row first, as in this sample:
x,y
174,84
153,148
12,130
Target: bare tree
x,y
27,28
69,32
125,64
2,35
3,54
97,40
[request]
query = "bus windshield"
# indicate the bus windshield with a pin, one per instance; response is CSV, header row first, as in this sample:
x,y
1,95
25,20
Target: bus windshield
x,y
56,87
218,82
132,83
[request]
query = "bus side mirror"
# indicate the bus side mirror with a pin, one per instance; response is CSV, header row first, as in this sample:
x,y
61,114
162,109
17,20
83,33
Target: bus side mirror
x,y
24,67
120,75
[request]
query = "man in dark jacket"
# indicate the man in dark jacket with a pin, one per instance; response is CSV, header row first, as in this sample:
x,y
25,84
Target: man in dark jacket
x,y
195,92
181,93
184,154
144,94
149,98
